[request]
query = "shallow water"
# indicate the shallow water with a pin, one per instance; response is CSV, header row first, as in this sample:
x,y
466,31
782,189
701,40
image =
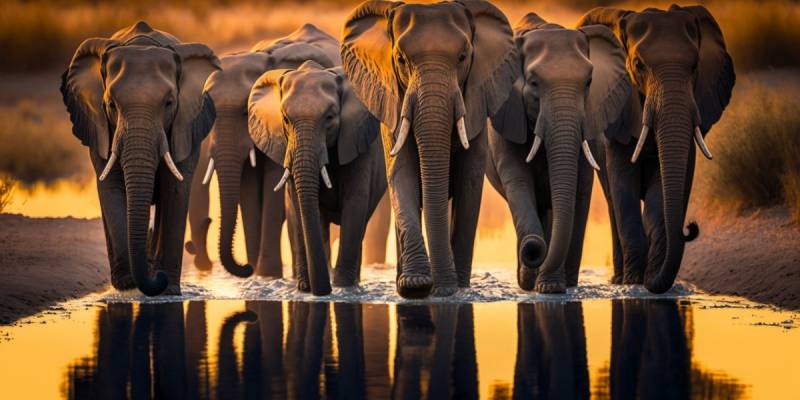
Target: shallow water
x,y
227,338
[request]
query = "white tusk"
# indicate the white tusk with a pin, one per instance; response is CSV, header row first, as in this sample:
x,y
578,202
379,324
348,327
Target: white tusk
x,y
109,164
209,171
405,126
589,157
283,180
253,157
537,141
640,143
325,177
462,132
698,137
172,167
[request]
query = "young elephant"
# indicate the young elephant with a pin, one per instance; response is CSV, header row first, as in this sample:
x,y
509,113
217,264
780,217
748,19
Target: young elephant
x,y
574,84
136,100
246,177
309,121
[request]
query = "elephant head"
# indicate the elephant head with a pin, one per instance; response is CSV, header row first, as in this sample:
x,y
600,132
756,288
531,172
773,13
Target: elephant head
x,y
305,119
574,85
136,100
433,72
684,75
230,147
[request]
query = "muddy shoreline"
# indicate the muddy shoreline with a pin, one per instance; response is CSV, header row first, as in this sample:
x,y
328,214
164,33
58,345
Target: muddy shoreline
x,y
47,260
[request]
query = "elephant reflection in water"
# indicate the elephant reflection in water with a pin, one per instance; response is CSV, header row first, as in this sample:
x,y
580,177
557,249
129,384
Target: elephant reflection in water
x,y
435,345
551,352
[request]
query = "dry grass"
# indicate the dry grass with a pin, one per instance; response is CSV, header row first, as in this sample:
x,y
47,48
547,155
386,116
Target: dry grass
x,y
756,152
38,145
6,190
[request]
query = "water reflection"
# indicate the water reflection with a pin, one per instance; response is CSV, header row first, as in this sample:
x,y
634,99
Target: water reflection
x,y
353,351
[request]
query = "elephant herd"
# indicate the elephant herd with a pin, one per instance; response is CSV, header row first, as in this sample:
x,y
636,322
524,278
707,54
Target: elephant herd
x,y
417,104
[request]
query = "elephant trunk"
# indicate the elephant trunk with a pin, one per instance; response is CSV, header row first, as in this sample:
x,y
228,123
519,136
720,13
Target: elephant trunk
x,y
562,145
229,162
139,161
433,131
305,168
673,128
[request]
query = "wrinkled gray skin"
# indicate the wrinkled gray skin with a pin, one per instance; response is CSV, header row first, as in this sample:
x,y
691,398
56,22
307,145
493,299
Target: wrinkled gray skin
x,y
425,69
308,119
570,89
136,100
683,77
240,183
198,214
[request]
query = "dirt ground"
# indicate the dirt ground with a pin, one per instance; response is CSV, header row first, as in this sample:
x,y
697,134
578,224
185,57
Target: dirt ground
x,y
46,260
755,256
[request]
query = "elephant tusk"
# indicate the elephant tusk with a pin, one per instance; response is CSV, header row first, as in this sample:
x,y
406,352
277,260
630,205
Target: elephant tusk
x,y
405,126
537,141
589,157
172,167
325,177
253,157
640,143
283,180
698,137
209,171
462,133
109,164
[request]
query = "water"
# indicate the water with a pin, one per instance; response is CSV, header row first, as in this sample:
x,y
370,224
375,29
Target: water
x,y
227,338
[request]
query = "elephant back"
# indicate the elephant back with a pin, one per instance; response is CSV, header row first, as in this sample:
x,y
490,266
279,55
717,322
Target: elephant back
x,y
313,43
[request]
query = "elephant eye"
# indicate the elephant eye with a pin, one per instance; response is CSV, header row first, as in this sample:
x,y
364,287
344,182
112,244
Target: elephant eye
x,y
400,59
169,103
462,57
639,65
112,105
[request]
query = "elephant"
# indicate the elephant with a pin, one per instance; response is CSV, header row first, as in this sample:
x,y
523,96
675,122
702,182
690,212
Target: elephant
x,y
551,352
246,177
199,221
308,120
136,101
434,72
684,76
573,86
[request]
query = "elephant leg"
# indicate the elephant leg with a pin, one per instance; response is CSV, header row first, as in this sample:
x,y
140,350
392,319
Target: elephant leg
x,y
250,202
377,232
172,207
298,244
616,248
583,200
468,167
113,206
625,186
355,215
272,216
516,182
414,279
198,214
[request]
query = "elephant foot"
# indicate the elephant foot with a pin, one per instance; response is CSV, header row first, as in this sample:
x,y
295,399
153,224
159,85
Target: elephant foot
x,y
633,278
526,277
343,279
270,269
532,251
549,285
414,285
303,285
444,291
172,290
123,283
616,279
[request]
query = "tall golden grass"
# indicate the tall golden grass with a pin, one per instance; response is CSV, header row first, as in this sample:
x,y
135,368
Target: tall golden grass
x,y
756,152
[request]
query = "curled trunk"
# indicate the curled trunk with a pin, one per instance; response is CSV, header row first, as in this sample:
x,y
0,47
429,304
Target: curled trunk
x,y
139,161
306,175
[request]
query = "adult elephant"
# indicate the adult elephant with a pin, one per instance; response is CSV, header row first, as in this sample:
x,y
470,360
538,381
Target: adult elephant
x,y
199,222
136,101
678,62
432,72
309,121
574,85
246,178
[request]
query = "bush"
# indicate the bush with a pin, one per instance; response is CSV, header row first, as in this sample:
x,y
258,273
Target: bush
x,y
6,189
756,149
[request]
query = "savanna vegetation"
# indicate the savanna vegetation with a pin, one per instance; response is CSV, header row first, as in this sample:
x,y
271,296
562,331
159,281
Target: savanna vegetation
x,y
756,145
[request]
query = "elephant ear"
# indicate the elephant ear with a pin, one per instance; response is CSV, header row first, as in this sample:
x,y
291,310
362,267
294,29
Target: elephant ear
x,y
510,121
82,92
613,18
357,127
715,73
367,59
495,65
196,113
293,55
265,120
610,87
